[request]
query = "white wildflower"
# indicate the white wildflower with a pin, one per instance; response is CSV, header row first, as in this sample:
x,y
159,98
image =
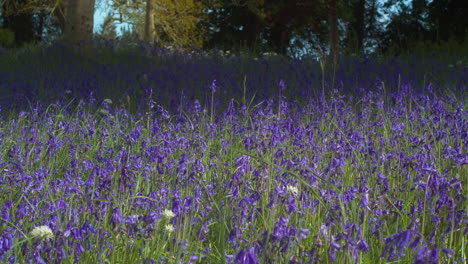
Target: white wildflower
x,y
292,189
169,228
168,214
42,232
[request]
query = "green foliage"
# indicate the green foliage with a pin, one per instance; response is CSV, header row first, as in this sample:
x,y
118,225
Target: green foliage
x,y
177,23
287,27
422,48
108,27
424,27
6,38
270,25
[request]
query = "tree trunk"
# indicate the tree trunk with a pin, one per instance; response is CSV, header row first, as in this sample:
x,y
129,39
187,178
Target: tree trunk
x,y
149,22
371,22
279,39
359,10
334,38
251,31
79,24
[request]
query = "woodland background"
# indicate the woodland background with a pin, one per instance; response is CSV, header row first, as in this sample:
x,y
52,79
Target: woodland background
x,y
291,28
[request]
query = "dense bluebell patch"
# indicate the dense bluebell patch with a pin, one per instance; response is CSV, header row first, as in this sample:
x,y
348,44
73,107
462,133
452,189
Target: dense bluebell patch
x,y
358,176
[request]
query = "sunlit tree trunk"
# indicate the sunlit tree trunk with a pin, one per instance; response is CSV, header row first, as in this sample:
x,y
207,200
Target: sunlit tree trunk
x,y
149,21
79,23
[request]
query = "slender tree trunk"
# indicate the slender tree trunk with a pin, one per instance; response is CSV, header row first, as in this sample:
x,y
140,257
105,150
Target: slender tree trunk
x,y
371,22
279,39
359,10
252,27
79,24
149,22
334,38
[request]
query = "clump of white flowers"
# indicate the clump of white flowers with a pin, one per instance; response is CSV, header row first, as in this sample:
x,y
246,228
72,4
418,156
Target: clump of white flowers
x,y
168,214
42,232
169,228
292,189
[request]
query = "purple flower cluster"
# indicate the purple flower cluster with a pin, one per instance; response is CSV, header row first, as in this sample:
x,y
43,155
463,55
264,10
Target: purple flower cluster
x,y
363,178
121,71
322,188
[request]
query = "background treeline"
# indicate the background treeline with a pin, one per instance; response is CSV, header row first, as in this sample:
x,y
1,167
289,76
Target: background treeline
x,y
286,27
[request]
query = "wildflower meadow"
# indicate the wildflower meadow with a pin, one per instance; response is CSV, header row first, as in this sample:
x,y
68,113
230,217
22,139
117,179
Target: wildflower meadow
x,y
147,155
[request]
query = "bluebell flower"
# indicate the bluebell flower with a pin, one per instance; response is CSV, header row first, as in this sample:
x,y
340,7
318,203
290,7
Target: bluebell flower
x,y
247,256
213,86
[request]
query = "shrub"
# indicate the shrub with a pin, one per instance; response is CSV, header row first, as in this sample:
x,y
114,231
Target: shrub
x,y
6,38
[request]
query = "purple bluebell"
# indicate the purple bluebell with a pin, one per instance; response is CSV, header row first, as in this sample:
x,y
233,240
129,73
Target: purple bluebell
x,y
247,256
213,86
